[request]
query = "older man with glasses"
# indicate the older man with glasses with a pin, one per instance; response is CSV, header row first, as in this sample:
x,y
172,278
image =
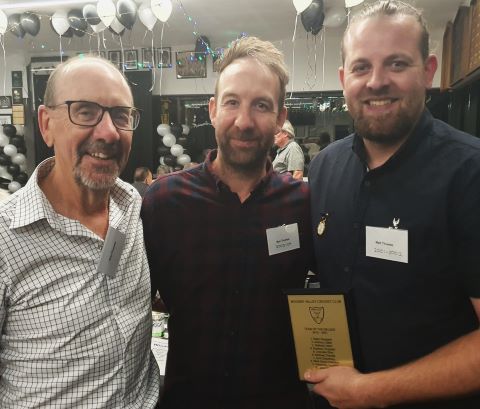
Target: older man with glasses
x,y
75,312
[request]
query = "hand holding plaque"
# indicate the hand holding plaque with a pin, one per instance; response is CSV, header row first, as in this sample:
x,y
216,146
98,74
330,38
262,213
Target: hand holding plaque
x,y
320,329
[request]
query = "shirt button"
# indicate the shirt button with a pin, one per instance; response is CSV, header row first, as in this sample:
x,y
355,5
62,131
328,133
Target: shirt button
x,y
226,374
356,225
236,292
232,333
368,183
346,269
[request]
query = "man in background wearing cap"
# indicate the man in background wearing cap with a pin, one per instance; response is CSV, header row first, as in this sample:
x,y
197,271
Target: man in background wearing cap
x,y
290,156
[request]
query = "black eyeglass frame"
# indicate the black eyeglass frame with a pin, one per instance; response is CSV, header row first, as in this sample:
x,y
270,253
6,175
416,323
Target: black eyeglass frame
x,y
104,108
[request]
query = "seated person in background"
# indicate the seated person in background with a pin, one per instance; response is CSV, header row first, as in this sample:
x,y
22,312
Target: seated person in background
x,y
142,179
290,157
163,170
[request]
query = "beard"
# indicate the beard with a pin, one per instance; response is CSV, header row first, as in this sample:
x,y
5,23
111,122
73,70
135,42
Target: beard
x,y
390,128
99,177
380,131
245,160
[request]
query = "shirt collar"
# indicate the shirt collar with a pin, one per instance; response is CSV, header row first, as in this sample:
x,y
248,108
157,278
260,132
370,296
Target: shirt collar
x,y
208,167
32,205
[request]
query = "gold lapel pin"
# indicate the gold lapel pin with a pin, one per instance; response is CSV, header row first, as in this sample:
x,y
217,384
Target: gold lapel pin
x,y
322,224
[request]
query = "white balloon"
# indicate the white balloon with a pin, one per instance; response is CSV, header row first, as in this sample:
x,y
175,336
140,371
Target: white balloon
x,y
4,140
163,129
168,140
146,16
19,158
185,129
97,28
161,160
23,167
176,150
335,17
116,26
352,3
106,11
60,22
301,5
3,22
183,159
10,150
162,9
14,186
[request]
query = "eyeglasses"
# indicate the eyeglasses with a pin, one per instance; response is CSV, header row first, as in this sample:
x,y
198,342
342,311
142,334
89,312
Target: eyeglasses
x,y
87,113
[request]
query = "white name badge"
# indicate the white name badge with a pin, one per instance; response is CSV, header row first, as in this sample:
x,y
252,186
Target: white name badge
x,y
111,252
282,238
388,244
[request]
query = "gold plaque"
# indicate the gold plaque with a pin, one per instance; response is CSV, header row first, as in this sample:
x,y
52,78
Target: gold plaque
x,y
320,329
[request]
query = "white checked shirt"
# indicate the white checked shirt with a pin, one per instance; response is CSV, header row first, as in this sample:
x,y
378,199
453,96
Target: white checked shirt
x,y
72,337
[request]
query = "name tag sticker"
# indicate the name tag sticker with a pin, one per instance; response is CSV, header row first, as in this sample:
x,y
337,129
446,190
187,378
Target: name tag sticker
x,y
111,252
387,244
283,238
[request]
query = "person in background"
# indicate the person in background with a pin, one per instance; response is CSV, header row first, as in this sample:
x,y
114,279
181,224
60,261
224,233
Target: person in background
x,y
142,179
163,170
290,157
221,273
75,307
396,206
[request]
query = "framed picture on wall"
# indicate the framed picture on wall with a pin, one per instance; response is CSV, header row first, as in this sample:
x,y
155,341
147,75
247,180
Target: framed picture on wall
x,y
148,58
191,65
5,119
116,58
164,57
5,101
17,96
17,80
131,59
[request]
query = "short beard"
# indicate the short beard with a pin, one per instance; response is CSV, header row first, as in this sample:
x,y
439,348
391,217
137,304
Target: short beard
x,y
104,177
254,164
402,128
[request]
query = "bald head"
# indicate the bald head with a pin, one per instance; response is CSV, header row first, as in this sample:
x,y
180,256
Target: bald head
x,y
68,67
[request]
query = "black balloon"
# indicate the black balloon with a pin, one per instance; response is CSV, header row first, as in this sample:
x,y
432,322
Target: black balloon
x,y
90,14
30,23
9,130
21,178
22,149
312,17
182,140
177,130
77,22
163,150
127,13
17,141
14,26
4,160
170,160
13,169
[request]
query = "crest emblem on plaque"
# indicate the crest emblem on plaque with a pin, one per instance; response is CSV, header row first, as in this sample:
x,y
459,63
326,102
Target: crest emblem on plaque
x,y
317,314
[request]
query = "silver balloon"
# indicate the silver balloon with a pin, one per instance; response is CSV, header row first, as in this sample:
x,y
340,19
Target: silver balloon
x,y
90,14
163,129
10,150
168,140
176,150
30,23
14,186
19,158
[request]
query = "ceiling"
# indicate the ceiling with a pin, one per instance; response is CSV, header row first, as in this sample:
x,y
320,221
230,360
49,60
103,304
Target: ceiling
x,y
221,21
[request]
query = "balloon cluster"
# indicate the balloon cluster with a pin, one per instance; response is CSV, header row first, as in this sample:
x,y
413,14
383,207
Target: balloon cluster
x,y
12,158
104,14
174,138
314,16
